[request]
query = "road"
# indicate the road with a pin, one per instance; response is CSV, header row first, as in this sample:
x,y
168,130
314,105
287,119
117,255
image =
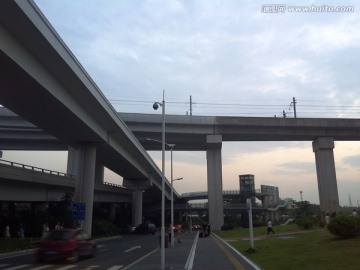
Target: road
x,y
112,254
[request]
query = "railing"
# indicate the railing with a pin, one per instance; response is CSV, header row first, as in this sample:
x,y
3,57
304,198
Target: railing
x,y
205,193
113,185
35,169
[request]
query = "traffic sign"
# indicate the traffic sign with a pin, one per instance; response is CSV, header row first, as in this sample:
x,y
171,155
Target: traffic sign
x,y
78,211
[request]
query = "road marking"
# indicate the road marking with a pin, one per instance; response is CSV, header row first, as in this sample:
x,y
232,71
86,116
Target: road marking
x,y
232,259
18,267
67,267
131,249
190,260
143,257
115,267
41,267
238,253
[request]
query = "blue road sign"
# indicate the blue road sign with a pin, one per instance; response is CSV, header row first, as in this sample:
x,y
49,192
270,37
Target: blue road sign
x,y
78,211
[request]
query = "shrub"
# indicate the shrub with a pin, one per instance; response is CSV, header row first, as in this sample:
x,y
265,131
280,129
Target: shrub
x,y
305,223
344,227
227,227
101,228
322,223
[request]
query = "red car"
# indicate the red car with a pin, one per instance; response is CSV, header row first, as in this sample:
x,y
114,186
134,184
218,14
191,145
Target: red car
x,y
67,244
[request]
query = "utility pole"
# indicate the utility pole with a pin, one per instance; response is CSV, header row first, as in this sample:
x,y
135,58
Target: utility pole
x,y
293,103
301,197
190,105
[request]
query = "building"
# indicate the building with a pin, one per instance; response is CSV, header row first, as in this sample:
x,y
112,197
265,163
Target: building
x,y
272,196
247,187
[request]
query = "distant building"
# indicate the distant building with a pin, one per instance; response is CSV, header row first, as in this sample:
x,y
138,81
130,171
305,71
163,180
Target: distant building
x,y
272,195
247,186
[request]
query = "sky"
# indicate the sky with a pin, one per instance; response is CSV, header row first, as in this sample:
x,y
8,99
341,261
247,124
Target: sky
x,y
230,58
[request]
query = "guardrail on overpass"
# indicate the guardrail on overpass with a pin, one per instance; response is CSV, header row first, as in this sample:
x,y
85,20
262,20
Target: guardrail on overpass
x,y
35,169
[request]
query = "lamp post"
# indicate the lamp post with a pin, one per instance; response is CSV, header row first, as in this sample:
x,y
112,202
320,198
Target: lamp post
x,y
172,203
171,146
162,237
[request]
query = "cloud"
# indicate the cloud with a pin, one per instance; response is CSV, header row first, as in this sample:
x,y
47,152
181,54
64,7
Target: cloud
x,y
352,161
298,168
224,52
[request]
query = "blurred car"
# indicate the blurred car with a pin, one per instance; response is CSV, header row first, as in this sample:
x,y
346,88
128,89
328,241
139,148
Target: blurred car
x,y
145,228
127,229
65,244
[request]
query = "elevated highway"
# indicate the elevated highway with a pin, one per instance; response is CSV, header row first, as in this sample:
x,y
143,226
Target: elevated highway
x,y
190,132
42,82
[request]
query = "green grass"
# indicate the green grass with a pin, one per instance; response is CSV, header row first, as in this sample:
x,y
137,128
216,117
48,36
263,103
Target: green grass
x,y
16,244
294,249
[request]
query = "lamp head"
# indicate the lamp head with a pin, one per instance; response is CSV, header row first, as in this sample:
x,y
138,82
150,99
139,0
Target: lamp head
x,y
156,105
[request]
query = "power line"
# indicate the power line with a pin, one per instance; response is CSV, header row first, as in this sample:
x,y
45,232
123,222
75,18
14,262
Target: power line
x,y
251,108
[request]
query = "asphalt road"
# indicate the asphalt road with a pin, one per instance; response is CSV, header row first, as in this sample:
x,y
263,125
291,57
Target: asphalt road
x,y
112,254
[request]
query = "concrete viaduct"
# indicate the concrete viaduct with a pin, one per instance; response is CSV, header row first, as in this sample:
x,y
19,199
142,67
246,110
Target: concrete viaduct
x,y
201,133
42,82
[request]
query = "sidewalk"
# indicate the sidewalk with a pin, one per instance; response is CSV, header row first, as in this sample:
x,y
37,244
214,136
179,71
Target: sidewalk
x,y
195,253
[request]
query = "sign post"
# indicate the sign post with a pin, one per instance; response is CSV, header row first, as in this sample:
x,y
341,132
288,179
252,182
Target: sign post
x,y
78,211
248,202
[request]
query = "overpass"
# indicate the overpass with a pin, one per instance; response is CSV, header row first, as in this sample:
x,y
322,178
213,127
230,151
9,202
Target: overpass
x,y
50,89
201,133
42,81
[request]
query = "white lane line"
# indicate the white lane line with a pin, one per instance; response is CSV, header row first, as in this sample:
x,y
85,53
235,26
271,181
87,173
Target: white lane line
x,y
42,267
132,248
67,267
190,260
18,267
115,267
143,257
237,252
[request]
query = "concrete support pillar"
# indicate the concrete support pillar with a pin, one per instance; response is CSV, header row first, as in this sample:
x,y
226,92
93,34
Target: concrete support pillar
x,y
326,174
84,188
73,164
137,198
138,186
99,172
72,161
214,181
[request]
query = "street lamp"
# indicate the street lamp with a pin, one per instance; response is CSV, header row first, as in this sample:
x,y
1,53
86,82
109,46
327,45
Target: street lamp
x,y
172,203
162,237
171,146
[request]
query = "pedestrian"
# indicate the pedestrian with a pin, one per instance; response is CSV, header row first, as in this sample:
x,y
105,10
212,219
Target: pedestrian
x,y
21,231
7,232
269,227
327,219
57,226
45,229
179,232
